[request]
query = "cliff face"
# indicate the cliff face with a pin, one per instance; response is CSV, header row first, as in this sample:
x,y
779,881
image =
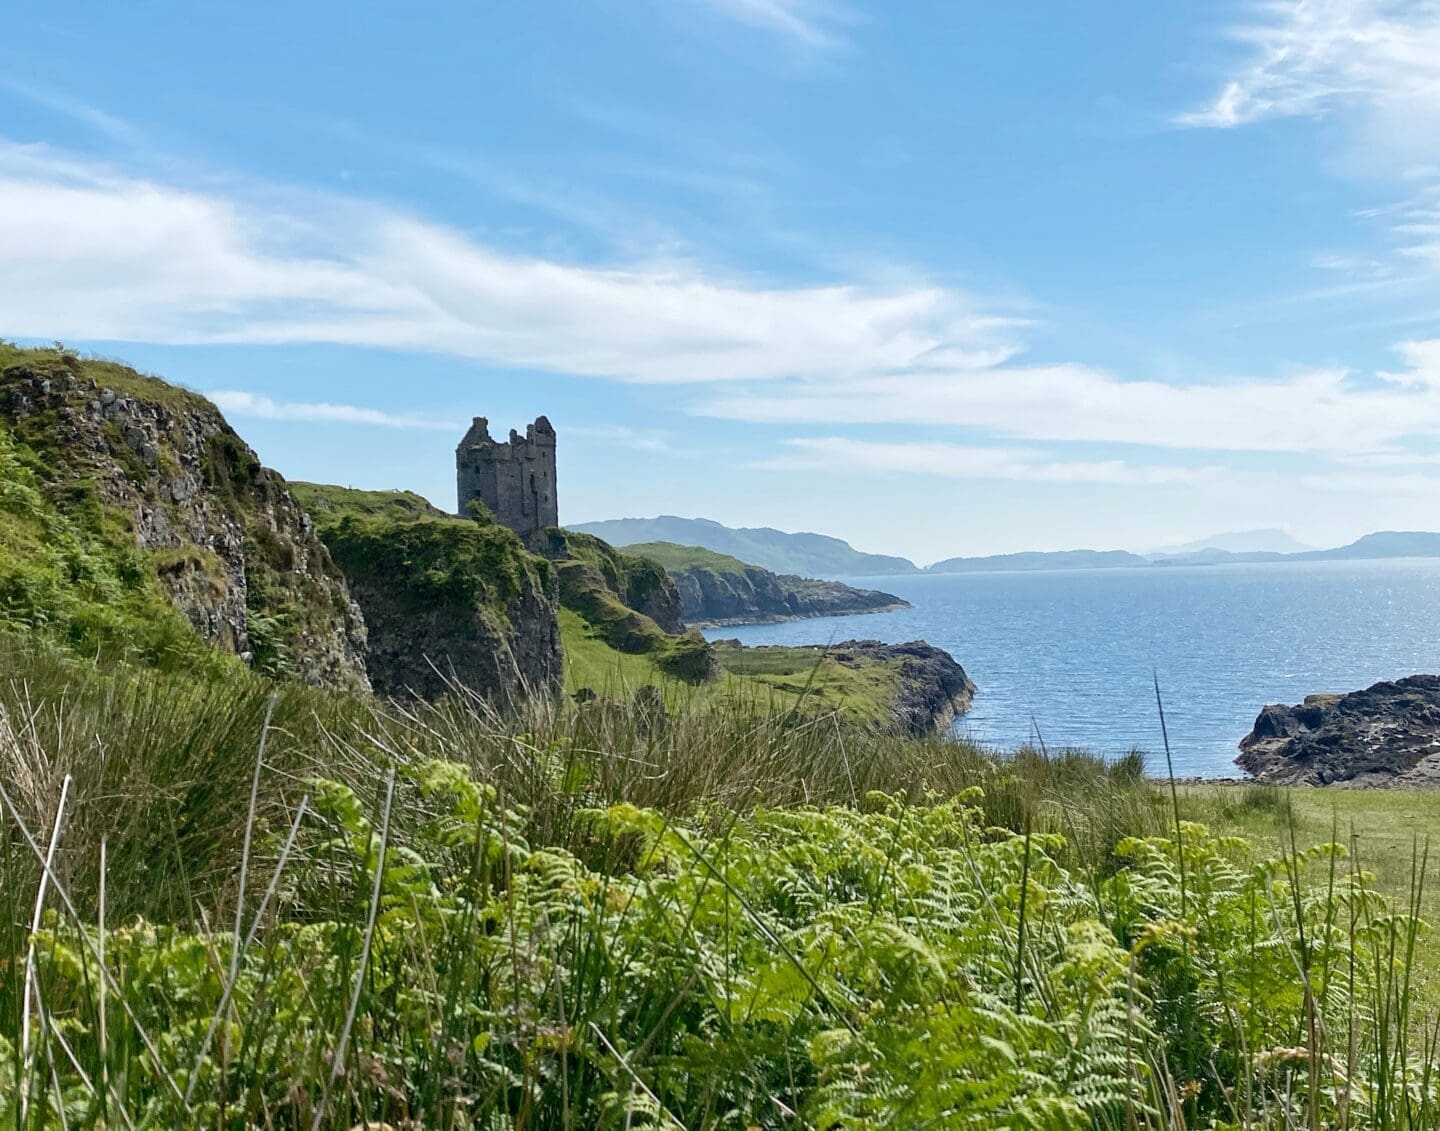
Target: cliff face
x,y
129,461
716,589
1385,735
757,596
447,601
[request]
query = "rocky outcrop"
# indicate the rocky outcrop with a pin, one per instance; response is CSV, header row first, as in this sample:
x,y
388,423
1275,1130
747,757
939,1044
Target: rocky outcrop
x,y
229,544
931,688
921,688
710,597
450,603
1386,735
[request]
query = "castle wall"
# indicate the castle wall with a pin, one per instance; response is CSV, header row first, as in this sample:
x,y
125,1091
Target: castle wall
x,y
515,479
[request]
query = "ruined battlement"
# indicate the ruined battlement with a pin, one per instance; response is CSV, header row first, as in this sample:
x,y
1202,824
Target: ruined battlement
x,y
514,478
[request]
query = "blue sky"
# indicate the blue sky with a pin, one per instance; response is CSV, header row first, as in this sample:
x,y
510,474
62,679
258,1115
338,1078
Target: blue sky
x,y
938,278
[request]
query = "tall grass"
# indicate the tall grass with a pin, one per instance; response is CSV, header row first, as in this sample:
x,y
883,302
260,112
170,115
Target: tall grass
x,y
618,914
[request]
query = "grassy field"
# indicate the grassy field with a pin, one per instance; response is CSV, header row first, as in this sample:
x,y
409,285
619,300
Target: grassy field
x,y
1387,830
775,678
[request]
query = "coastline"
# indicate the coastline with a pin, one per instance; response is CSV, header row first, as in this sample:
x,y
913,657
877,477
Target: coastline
x,y
780,618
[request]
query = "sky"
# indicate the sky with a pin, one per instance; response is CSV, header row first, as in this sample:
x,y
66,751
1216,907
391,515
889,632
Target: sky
x,y
936,278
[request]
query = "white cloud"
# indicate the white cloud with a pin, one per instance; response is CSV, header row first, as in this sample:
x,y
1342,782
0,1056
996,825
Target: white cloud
x,y
1324,412
1307,56
960,461
95,255
809,22
238,403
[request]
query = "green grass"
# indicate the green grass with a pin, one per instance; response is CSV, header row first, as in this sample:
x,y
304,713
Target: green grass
x,y
328,503
592,663
861,692
1386,830
108,373
675,557
771,678
71,574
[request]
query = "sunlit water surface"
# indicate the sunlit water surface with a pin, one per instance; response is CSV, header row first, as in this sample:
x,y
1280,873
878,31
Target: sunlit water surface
x,y
1071,654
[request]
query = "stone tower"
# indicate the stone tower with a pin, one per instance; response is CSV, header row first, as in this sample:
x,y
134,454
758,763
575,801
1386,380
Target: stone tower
x,y
515,479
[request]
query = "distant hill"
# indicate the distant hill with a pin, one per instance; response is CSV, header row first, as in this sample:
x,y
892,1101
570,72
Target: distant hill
x,y
1270,541
1036,559
805,555
1382,544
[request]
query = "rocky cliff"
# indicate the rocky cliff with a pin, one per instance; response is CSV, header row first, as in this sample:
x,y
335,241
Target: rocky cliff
x,y
137,487
448,601
1386,735
716,589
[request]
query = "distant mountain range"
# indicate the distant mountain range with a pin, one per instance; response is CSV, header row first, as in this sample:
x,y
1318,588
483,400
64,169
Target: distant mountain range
x,y
1385,544
817,555
806,555
1271,541
1039,559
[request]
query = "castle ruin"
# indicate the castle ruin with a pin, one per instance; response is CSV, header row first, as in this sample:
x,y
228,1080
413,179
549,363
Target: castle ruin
x,y
515,479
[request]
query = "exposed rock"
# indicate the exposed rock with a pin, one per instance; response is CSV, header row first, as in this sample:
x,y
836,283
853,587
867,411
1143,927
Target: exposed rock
x,y
230,545
932,688
1386,735
717,589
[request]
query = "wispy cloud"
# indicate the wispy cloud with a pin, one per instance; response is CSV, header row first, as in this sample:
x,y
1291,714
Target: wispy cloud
x,y
839,454
1328,411
106,124
91,253
641,439
254,405
813,23
1307,56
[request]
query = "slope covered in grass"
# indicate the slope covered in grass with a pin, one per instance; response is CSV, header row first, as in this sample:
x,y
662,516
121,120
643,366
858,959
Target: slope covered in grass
x,y
717,589
627,603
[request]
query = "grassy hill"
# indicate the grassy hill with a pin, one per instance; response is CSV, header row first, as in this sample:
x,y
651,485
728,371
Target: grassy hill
x,y
719,589
450,603
676,558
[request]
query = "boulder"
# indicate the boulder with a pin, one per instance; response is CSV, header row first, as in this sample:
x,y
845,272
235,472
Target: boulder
x,y
1385,735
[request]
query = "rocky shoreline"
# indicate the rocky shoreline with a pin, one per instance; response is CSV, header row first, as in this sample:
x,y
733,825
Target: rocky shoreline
x,y
784,618
933,689
1386,736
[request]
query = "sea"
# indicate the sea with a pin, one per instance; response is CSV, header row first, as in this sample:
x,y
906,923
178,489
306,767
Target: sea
x,y
1071,657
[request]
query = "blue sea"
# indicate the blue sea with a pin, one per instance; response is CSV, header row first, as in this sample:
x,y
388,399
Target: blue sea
x,y
1071,654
